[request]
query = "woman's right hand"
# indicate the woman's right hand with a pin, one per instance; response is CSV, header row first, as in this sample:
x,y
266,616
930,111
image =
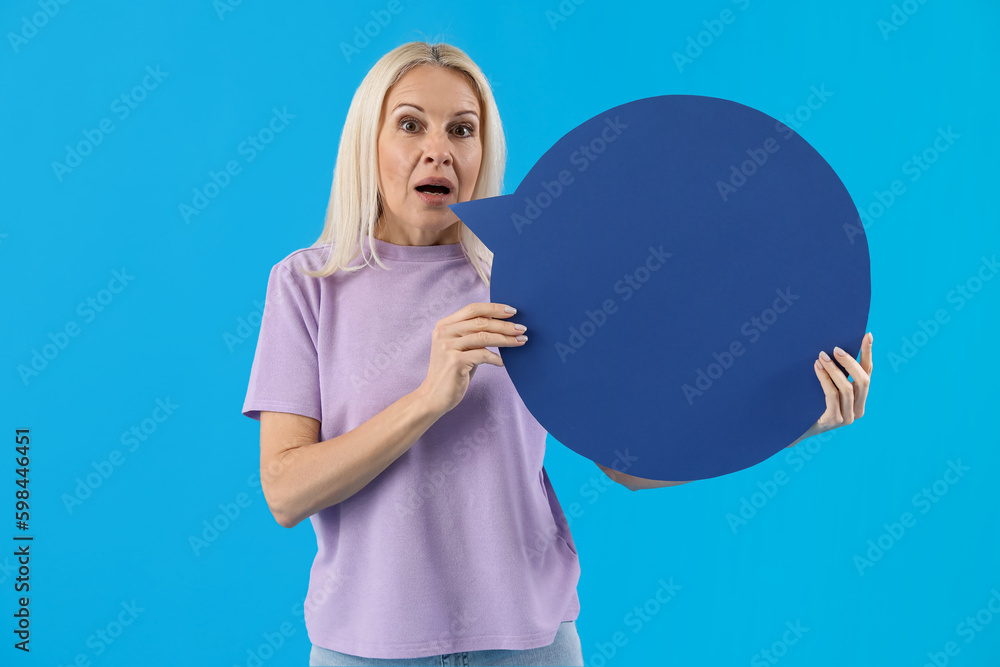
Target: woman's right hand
x,y
458,345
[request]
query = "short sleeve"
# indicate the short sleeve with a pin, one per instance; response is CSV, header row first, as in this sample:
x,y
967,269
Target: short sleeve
x,y
284,376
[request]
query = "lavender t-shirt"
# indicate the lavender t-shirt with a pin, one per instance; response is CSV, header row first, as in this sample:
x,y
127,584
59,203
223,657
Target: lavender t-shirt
x,y
460,544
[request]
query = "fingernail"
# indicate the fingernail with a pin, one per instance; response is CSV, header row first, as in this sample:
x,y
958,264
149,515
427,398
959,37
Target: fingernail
x,y
871,339
519,327
826,357
839,352
817,364
509,309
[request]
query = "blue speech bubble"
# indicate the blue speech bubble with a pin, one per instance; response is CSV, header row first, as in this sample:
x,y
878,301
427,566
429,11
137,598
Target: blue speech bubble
x,y
679,262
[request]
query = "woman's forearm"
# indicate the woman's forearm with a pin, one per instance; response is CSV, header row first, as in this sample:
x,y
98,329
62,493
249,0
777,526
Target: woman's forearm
x,y
813,430
633,483
315,476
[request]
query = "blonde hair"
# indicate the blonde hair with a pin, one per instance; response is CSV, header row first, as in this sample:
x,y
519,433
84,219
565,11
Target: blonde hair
x,y
355,203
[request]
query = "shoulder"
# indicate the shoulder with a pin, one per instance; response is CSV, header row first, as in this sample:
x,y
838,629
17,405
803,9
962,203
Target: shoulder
x,y
309,259
289,281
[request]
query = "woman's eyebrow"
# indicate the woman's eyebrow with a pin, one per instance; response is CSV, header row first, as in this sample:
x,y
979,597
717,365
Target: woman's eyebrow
x,y
407,104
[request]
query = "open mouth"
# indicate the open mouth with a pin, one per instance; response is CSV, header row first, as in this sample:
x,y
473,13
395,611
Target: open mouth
x,y
434,194
434,189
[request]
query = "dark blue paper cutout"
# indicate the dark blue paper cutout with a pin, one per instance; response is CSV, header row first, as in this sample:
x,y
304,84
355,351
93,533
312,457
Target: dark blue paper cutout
x,y
754,221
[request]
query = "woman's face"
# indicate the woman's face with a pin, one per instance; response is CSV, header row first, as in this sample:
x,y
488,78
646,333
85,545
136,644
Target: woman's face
x,y
428,130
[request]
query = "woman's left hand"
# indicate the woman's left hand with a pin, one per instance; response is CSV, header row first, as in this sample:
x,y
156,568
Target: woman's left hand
x,y
845,400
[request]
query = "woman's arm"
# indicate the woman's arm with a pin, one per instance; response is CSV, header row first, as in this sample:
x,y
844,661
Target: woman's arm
x,y
300,476
633,483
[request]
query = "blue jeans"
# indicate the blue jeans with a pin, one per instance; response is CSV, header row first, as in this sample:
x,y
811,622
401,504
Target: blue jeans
x,y
564,650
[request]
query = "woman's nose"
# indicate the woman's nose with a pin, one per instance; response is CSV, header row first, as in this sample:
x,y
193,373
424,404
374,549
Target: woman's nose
x,y
437,147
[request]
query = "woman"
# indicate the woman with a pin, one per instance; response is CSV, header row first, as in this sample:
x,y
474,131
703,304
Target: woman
x,y
440,537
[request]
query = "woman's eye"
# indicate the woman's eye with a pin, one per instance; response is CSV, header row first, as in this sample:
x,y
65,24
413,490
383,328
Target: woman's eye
x,y
411,125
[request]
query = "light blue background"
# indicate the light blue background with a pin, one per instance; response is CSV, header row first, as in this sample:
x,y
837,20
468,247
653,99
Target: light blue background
x,y
163,335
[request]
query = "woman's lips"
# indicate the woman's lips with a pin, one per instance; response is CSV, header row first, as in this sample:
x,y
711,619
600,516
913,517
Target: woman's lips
x,y
433,199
